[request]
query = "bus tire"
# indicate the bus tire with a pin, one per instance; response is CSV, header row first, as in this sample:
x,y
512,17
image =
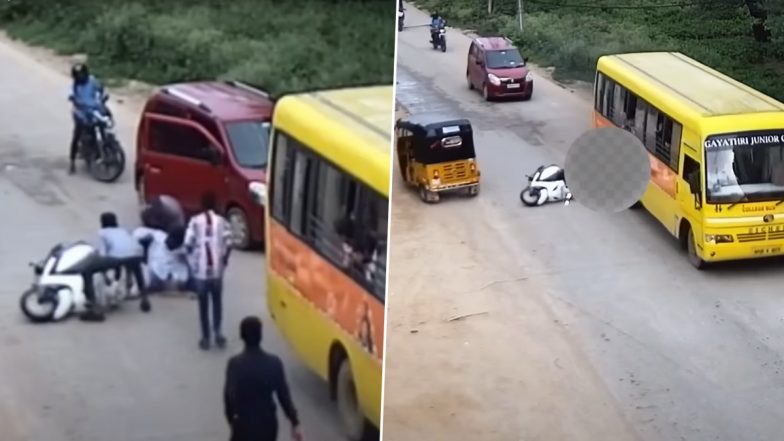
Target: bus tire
x,y
354,422
691,250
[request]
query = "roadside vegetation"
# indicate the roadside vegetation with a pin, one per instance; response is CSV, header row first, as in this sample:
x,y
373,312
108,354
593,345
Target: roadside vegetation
x,y
283,46
741,38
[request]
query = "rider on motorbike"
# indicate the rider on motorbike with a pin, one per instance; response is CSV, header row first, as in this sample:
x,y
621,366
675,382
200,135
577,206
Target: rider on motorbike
x,y
436,23
86,95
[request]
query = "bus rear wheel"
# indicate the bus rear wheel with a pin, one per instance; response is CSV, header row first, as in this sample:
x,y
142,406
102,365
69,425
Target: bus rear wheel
x,y
354,422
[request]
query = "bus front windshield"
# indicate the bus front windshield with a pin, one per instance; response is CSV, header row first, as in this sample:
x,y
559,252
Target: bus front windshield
x,y
745,167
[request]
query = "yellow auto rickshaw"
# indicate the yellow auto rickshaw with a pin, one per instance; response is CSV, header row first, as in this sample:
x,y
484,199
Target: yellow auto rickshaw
x,y
436,154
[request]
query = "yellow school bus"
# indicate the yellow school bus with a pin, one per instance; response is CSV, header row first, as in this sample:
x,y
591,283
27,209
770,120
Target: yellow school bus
x,y
327,207
716,148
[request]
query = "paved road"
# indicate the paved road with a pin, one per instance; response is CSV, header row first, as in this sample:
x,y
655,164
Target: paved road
x,y
136,377
588,326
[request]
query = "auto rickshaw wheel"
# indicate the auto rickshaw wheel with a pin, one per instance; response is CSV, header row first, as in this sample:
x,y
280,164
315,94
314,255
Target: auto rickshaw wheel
x,y
468,80
426,195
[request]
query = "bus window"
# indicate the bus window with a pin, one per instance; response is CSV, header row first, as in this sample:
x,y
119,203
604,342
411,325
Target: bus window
x,y
691,174
639,119
651,128
599,92
299,193
668,140
280,182
609,91
618,112
328,216
371,238
629,109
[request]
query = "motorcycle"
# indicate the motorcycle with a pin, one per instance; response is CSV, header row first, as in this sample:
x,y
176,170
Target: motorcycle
x,y
401,17
440,38
100,148
547,184
58,286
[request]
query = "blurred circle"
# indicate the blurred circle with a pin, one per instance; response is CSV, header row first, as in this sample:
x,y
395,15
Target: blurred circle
x,y
607,169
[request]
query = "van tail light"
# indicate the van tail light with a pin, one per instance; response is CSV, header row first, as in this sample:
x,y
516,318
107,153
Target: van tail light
x,y
435,174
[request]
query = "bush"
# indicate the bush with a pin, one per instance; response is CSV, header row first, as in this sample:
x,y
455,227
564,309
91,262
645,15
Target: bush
x,y
571,39
285,46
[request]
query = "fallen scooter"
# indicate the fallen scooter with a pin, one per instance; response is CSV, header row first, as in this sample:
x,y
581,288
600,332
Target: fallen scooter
x,y
547,184
58,288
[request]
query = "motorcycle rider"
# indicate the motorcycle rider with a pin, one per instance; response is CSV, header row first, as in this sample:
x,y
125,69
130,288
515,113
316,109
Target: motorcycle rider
x,y
436,23
86,95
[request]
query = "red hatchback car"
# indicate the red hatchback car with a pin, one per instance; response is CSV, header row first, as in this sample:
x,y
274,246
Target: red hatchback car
x,y
496,68
208,136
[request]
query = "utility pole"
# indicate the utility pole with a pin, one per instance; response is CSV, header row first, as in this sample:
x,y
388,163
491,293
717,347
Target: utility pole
x,y
520,13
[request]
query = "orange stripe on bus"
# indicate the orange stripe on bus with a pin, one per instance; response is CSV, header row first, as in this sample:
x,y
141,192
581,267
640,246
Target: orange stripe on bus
x,y
661,174
328,289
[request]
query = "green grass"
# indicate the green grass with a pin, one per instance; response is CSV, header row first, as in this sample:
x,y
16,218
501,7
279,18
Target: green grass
x,y
285,46
715,32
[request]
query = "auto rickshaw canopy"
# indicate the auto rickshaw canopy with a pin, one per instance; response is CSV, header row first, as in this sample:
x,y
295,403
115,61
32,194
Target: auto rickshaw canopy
x,y
437,138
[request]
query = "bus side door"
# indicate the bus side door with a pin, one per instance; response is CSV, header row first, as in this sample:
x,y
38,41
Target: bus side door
x,y
690,203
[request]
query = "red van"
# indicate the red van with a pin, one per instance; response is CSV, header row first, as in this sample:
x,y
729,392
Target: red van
x,y
208,136
496,68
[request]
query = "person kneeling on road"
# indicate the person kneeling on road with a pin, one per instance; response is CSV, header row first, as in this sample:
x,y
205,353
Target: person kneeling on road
x,y
166,259
117,243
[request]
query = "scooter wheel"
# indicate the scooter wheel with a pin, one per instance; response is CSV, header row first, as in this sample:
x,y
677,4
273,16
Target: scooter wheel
x,y
37,310
530,196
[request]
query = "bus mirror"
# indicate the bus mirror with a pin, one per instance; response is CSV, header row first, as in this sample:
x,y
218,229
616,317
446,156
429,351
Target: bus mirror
x,y
694,183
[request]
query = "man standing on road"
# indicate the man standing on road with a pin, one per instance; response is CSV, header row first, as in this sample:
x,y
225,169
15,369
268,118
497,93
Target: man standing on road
x,y
208,243
251,379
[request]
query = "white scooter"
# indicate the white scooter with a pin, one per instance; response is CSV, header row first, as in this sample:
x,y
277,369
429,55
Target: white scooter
x,y
58,289
546,185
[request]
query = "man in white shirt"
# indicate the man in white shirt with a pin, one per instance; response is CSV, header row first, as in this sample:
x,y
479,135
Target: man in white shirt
x,y
166,265
208,243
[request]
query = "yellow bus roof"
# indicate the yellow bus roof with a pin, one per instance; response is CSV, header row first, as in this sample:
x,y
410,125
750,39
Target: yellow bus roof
x,y
696,89
352,128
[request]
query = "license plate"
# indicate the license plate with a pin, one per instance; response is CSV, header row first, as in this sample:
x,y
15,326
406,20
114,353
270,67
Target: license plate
x,y
767,250
513,86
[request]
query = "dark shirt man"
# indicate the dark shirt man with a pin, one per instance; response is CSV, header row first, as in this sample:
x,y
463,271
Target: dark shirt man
x,y
251,379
